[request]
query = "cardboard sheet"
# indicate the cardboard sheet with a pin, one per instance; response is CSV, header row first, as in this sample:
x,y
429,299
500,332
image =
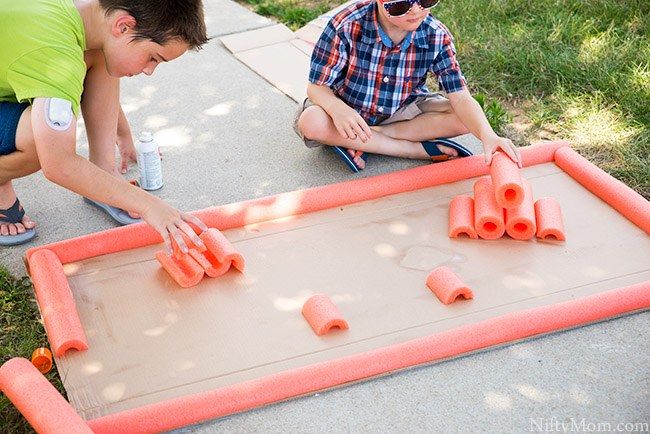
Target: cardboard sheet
x,y
150,340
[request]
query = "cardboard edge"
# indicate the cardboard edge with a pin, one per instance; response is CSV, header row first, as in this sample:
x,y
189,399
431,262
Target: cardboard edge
x,y
523,324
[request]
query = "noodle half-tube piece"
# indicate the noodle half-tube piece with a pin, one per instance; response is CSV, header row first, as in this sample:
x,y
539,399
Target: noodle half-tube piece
x,y
38,401
461,217
488,214
218,255
322,314
520,221
508,188
447,285
549,219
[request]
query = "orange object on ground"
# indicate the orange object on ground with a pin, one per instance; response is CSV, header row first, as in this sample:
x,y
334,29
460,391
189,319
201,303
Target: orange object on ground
x,y
42,359
447,285
38,401
184,269
506,180
461,217
322,315
218,254
627,201
57,306
488,214
520,221
549,219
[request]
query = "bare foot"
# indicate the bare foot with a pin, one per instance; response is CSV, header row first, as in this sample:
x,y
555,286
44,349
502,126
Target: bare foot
x,y
7,200
356,157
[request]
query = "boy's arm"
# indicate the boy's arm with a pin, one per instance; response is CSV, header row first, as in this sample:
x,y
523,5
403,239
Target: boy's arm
x,y
471,114
347,121
61,165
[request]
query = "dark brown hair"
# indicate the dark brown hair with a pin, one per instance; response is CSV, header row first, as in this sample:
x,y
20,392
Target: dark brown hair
x,y
164,20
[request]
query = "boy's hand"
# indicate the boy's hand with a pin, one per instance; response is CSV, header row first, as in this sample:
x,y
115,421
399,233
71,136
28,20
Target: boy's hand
x,y
350,124
496,143
169,221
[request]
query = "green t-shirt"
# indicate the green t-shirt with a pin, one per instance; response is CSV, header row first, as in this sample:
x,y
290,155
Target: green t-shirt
x,y
42,51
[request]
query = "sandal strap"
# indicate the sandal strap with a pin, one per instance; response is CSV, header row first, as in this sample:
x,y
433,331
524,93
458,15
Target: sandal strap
x,y
14,214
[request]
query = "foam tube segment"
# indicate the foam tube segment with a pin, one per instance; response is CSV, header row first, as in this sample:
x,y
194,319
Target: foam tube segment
x,y
461,217
447,285
57,305
322,314
182,268
625,200
520,221
219,254
549,219
38,401
506,180
488,214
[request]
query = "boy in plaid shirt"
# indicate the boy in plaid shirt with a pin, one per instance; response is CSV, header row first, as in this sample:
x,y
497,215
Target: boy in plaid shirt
x,y
367,88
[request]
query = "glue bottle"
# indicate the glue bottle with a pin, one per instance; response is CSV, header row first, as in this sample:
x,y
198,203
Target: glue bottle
x,y
149,162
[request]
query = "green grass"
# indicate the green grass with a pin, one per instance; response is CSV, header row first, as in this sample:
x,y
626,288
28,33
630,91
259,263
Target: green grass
x,y
21,332
580,67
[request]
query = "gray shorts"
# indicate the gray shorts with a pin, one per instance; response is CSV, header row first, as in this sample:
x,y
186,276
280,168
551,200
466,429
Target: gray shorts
x,y
405,113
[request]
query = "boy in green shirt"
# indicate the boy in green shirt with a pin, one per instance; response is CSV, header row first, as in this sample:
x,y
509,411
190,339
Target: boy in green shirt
x,y
52,52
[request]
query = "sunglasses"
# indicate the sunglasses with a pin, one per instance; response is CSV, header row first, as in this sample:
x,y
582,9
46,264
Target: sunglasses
x,y
402,7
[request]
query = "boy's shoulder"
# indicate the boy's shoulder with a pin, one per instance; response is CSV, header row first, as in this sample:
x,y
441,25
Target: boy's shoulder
x,y
353,13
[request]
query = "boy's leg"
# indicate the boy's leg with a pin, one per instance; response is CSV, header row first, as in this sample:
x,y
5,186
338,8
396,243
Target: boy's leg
x,y
435,119
21,162
397,139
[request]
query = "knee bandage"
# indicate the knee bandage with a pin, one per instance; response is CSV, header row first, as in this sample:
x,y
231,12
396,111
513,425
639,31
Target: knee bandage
x,y
58,113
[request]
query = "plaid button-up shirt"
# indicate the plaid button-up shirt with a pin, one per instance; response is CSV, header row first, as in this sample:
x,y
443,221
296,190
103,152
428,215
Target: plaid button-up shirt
x,y
358,61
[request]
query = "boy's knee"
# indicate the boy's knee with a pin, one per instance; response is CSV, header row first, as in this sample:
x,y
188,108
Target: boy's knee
x,y
312,123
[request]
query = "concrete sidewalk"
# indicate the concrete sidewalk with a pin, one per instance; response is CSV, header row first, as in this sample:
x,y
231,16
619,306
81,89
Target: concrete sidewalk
x,y
226,136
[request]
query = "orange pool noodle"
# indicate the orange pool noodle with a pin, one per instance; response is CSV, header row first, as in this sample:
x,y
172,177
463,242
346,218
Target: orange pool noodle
x,y
322,315
57,305
218,254
184,269
508,188
625,200
520,221
461,217
447,285
549,218
38,401
488,214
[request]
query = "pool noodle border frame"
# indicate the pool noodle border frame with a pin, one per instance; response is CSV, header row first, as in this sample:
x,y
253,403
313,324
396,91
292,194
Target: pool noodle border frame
x,y
183,411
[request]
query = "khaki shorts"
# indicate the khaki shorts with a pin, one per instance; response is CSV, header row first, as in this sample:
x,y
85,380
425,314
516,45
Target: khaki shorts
x,y
405,113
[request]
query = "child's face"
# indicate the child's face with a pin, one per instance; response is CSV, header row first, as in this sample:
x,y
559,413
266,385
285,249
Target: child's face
x,y
141,56
126,56
408,22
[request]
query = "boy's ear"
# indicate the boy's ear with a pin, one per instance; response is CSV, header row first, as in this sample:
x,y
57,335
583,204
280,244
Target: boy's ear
x,y
122,25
